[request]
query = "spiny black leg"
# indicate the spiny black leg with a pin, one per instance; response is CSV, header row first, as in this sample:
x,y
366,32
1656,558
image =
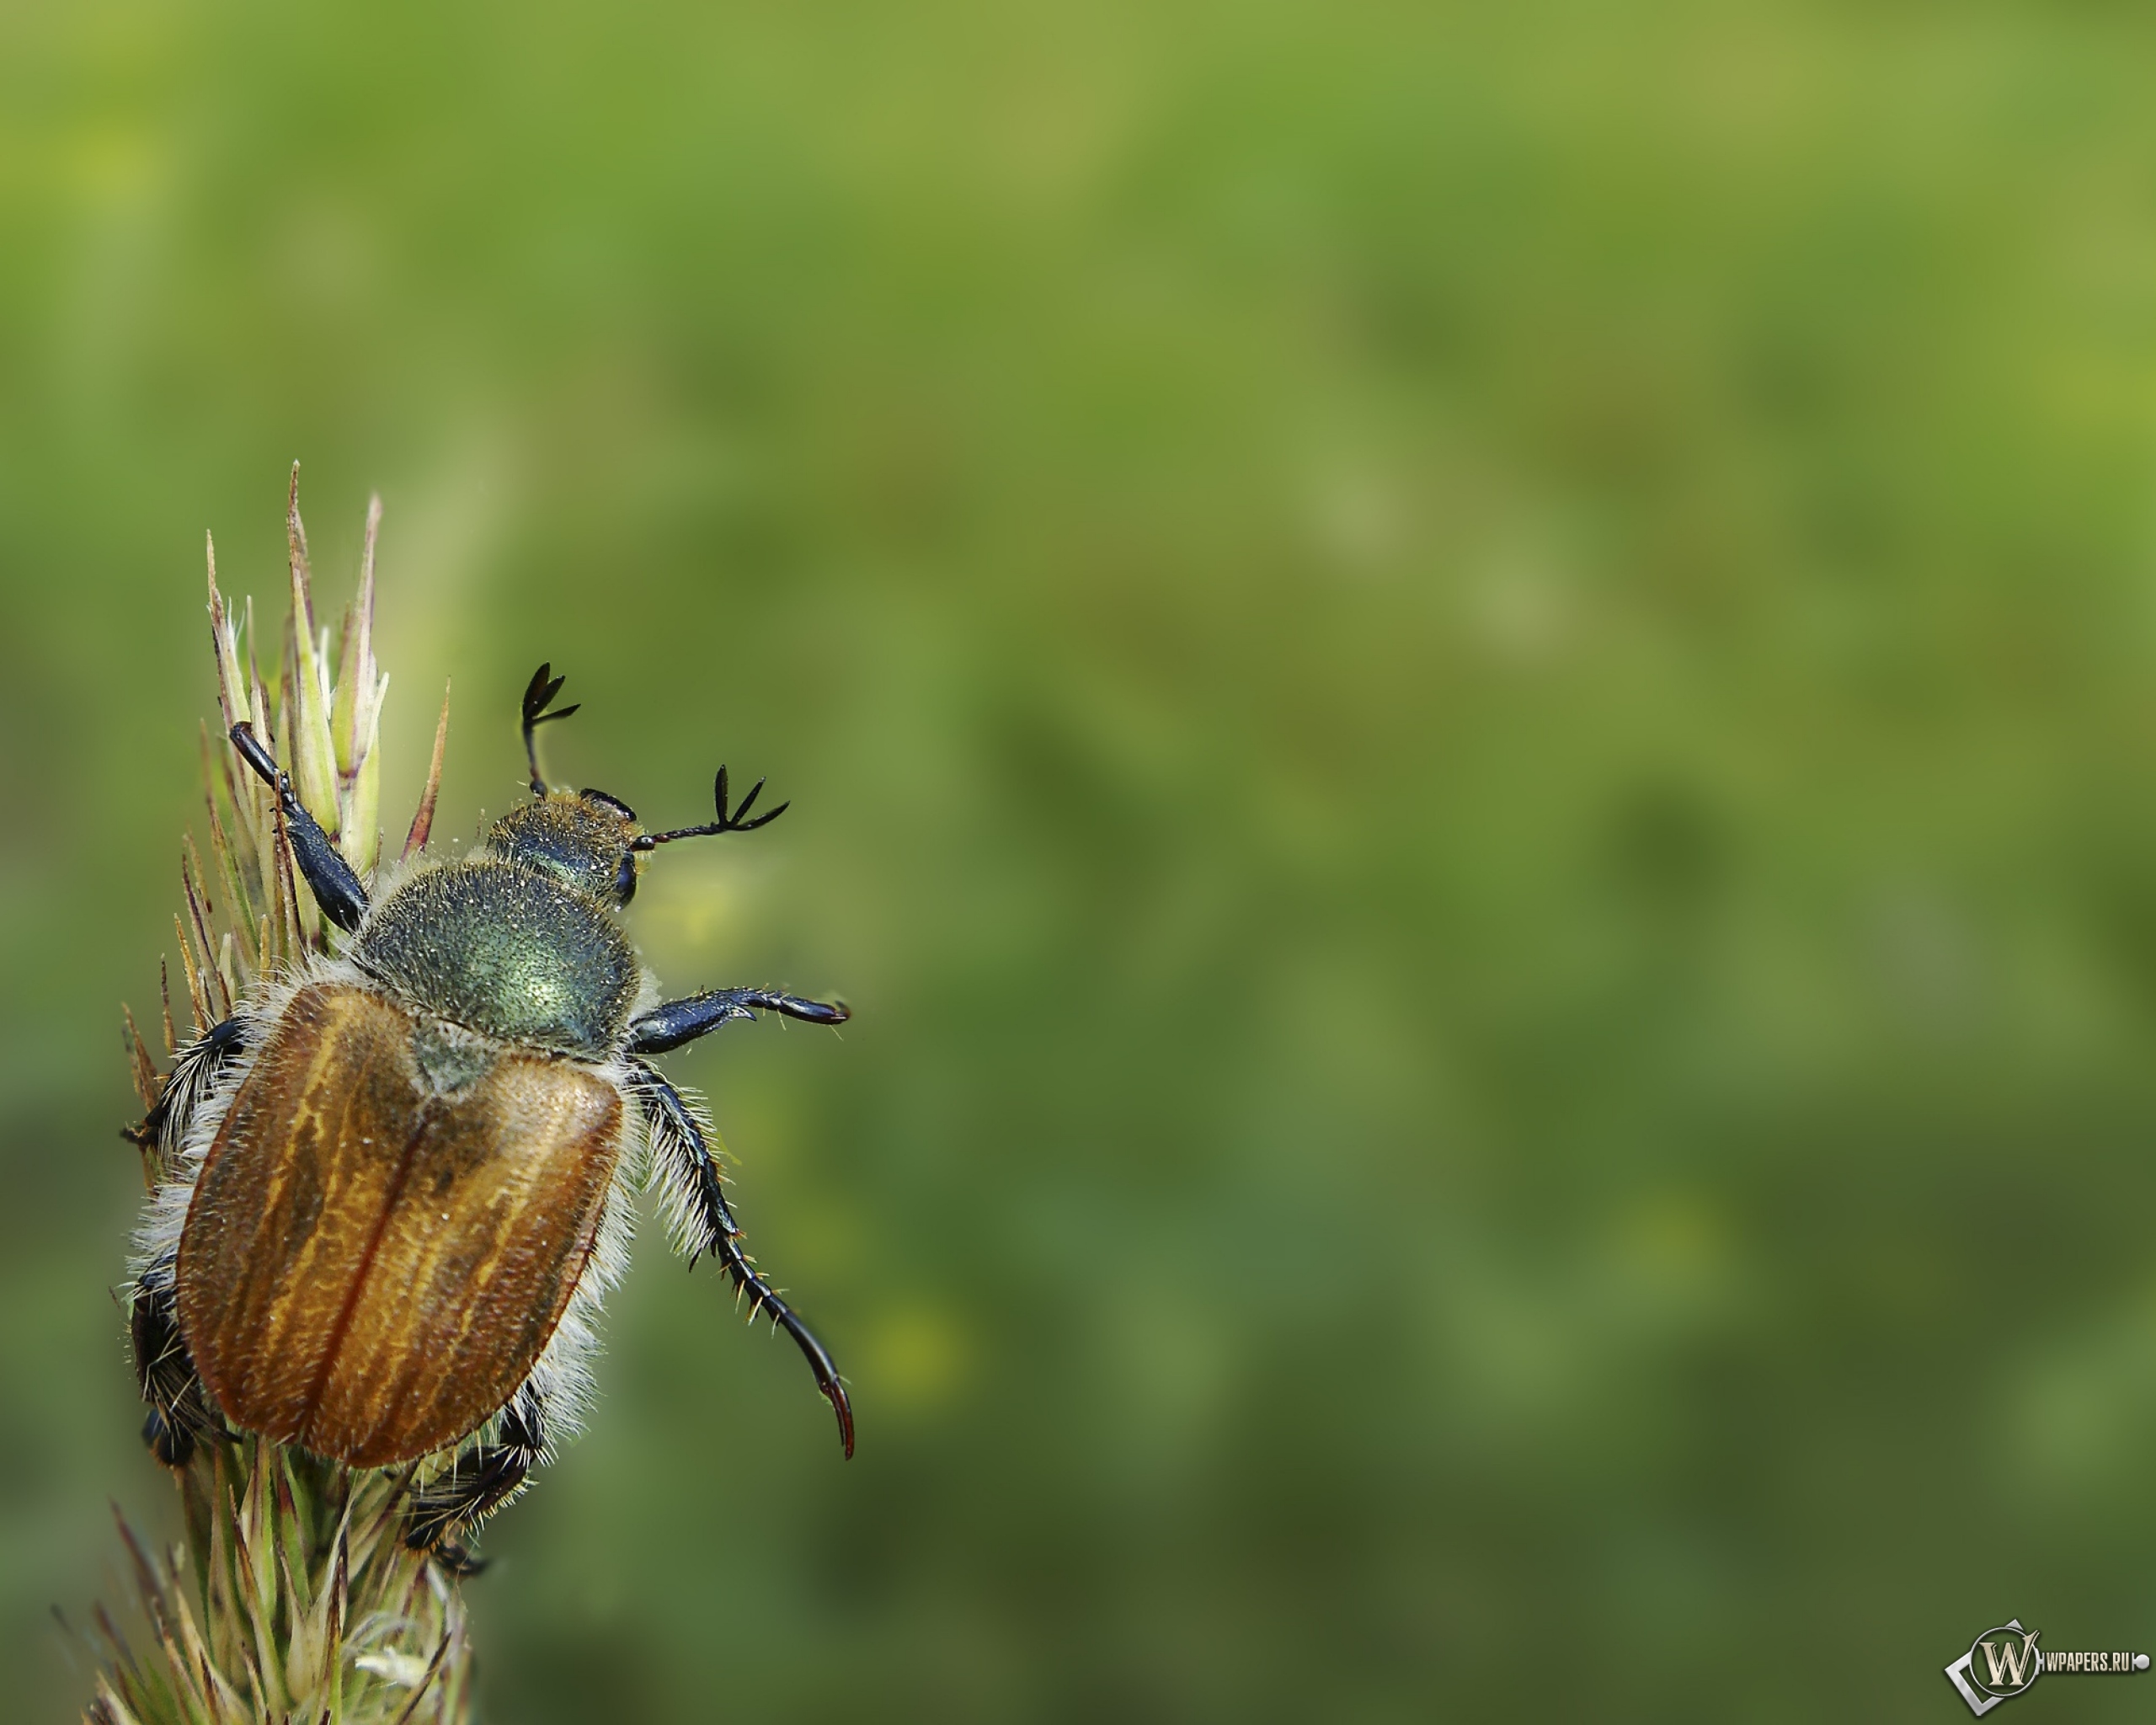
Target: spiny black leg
x,y
179,1417
336,889
478,1482
194,1071
538,695
668,1026
685,1158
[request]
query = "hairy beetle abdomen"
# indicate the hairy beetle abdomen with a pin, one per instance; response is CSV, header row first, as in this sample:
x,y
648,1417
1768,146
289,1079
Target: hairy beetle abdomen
x,y
381,1242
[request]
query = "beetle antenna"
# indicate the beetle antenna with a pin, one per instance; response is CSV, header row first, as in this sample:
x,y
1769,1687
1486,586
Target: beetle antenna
x,y
538,695
725,823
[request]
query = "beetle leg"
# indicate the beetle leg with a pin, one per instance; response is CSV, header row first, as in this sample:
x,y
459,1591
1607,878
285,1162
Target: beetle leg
x,y
684,1160
180,1415
668,1026
336,889
479,1481
194,1071
179,1412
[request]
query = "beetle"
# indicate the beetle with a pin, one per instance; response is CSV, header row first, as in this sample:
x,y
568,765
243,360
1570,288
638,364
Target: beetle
x,y
397,1187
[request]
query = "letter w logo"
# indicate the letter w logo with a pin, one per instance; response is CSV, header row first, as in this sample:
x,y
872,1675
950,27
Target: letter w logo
x,y
2007,1657
2008,1663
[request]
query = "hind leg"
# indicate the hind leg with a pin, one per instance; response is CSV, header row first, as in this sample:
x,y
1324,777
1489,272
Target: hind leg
x,y
180,1415
482,1478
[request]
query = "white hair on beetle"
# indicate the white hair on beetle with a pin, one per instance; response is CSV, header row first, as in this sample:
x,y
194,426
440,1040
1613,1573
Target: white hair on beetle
x,y
670,1175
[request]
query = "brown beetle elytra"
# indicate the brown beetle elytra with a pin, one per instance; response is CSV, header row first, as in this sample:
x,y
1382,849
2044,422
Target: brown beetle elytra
x,y
398,1195
371,1265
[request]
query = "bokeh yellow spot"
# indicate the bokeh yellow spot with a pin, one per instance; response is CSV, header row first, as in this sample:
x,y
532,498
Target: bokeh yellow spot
x,y
918,1358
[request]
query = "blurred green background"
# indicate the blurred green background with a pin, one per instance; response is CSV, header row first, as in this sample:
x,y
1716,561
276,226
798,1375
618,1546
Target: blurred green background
x,y
1471,700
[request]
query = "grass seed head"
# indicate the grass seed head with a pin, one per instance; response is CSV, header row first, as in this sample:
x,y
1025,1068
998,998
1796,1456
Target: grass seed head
x,y
292,1596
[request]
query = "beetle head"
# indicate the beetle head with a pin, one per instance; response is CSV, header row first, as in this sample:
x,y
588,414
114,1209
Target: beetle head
x,y
586,840
590,842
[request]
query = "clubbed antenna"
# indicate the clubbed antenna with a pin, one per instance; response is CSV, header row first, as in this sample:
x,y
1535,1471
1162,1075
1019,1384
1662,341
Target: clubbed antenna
x,y
538,695
725,823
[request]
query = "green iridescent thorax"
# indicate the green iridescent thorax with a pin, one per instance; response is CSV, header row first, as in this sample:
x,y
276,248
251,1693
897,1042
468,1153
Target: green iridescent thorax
x,y
507,950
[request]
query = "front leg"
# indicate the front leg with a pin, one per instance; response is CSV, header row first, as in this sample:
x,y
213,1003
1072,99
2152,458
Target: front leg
x,y
682,1021
329,877
684,1160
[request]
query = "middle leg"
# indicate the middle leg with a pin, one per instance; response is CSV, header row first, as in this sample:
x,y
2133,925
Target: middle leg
x,y
180,1415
